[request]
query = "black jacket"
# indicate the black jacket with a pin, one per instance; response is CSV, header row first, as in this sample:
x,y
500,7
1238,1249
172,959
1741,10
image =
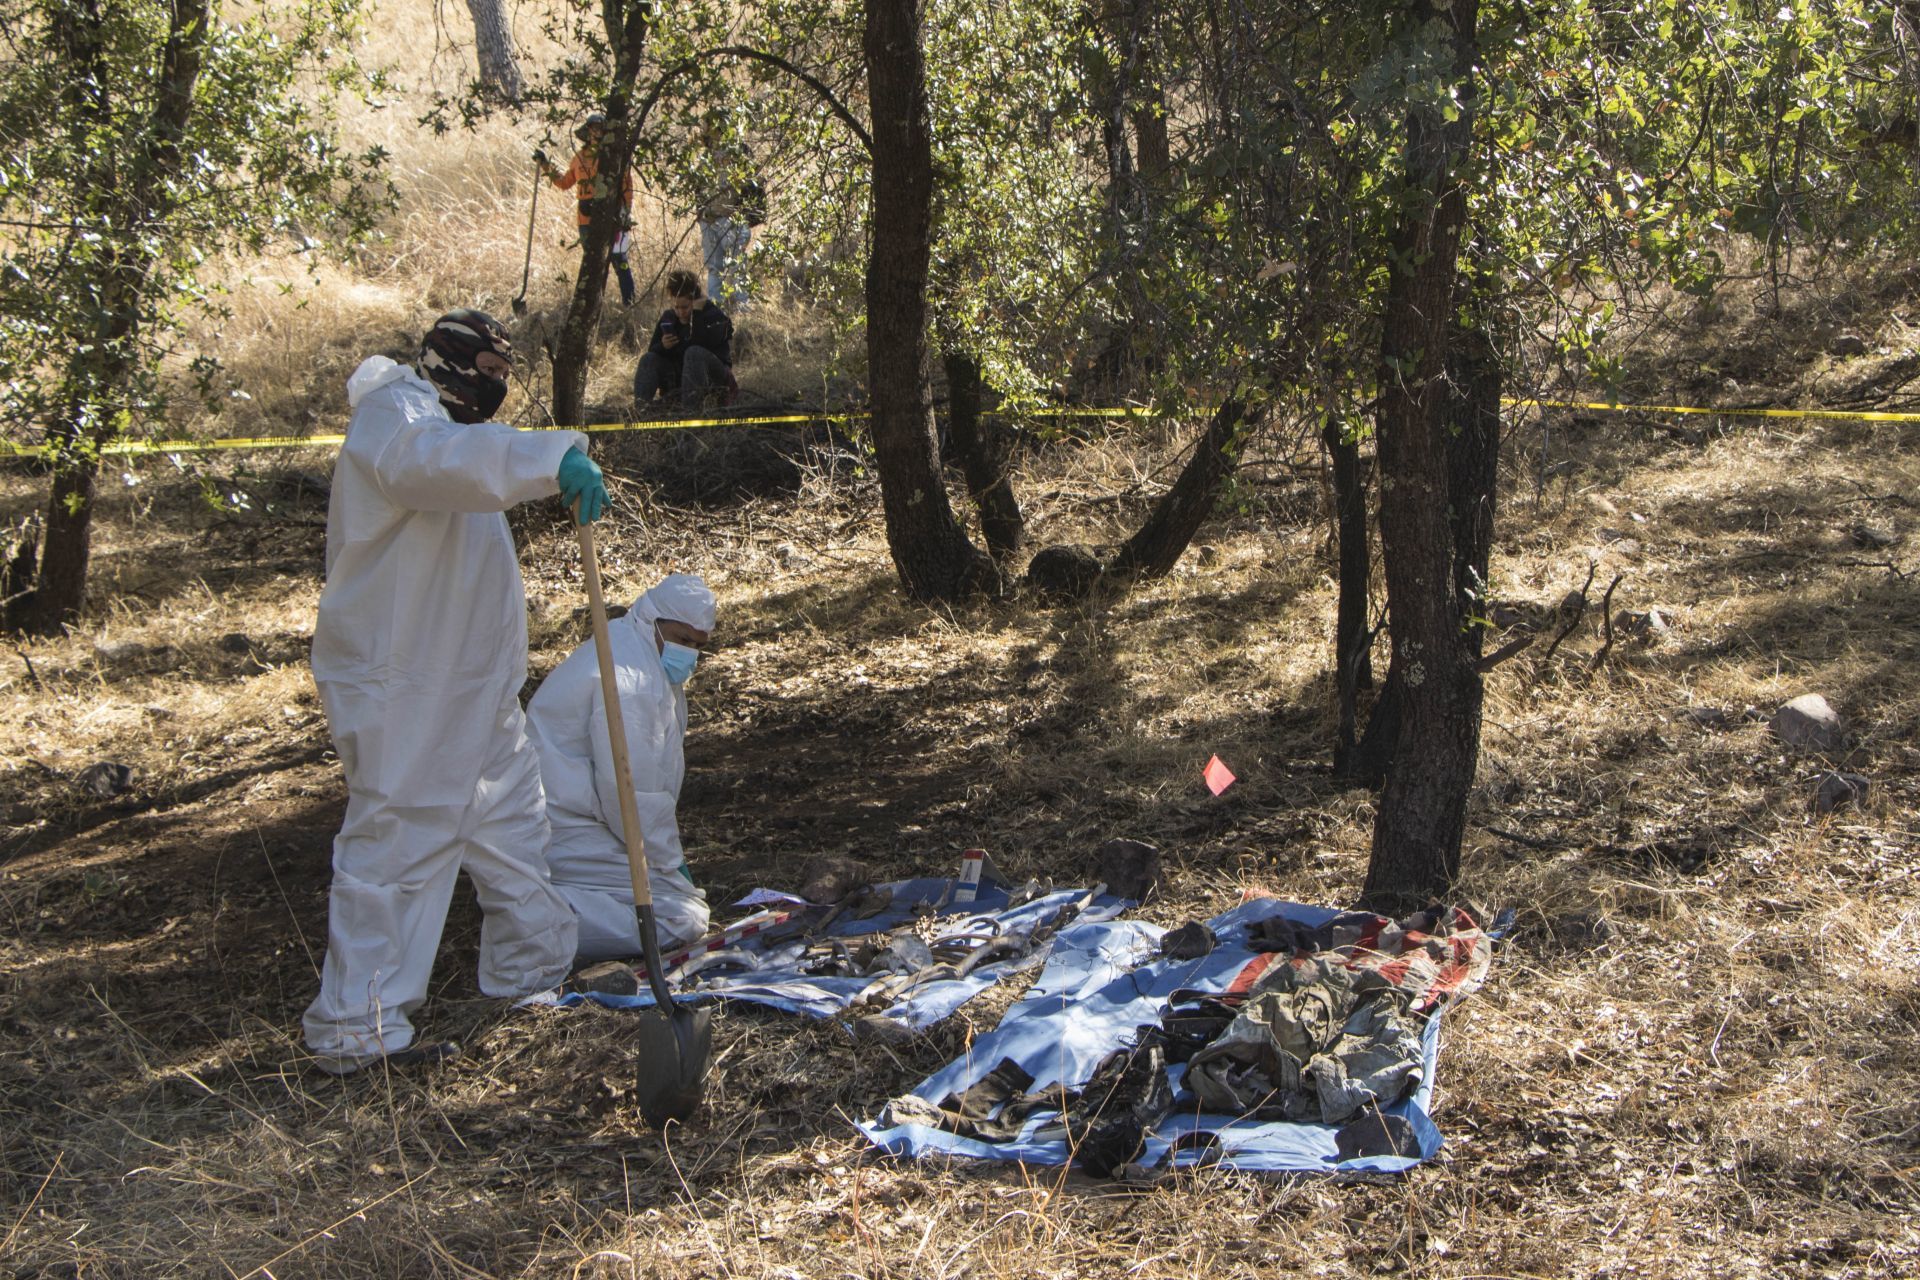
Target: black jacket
x,y
711,329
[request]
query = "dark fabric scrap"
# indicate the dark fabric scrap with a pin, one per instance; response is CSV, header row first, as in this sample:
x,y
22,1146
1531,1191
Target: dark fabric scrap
x,y
1278,933
1189,942
994,1109
1128,1095
1377,1134
1191,1024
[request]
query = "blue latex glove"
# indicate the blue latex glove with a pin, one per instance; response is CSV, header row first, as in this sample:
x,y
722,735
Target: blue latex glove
x,y
580,482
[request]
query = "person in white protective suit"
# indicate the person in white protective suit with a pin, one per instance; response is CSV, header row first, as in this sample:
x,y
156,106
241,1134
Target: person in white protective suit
x,y
419,654
655,647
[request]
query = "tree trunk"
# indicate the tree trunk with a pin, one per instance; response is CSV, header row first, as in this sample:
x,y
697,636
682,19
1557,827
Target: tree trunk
x,y
1352,642
1372,757
1473,466
22,563
1422,814
1156,546
1113,63
1150,135
493,43
1146,95
100,378
62,586
1906,32
985,448
1473,457
930,550
574,347
627,27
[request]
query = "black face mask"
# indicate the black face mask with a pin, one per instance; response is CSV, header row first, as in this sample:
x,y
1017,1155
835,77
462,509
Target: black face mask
x,y
492,391
487,395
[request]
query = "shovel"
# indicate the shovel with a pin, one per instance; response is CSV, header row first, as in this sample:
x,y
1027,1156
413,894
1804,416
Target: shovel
x,y
676,1043
526,268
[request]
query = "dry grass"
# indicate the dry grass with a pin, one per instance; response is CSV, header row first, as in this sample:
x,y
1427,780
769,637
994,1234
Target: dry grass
x,y
299,323
1698,1056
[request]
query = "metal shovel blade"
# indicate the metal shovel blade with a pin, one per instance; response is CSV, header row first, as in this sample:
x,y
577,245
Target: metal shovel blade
x,y
670,1069
675,1042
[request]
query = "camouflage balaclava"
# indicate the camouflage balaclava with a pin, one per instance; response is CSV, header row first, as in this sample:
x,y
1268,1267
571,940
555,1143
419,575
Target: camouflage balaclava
x,y
447,359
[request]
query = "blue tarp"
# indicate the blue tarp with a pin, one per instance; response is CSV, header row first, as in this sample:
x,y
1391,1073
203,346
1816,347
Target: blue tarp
x,y
1102,982
794,991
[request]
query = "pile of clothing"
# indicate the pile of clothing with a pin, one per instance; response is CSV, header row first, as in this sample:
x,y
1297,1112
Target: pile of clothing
x,y
1331,1031
1291,1017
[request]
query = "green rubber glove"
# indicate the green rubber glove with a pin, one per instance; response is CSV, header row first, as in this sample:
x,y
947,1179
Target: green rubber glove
x,y
581,482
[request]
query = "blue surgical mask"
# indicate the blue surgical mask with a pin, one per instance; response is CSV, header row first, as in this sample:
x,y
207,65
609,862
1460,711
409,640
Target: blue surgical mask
x,y
679,660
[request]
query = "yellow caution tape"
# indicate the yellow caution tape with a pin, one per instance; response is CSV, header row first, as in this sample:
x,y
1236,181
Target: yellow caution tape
x,y
124,447
127,448
1598,406
680,424
1127,411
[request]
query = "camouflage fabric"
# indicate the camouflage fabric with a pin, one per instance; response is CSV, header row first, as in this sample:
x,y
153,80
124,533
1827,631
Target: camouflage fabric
x,y
1333,1030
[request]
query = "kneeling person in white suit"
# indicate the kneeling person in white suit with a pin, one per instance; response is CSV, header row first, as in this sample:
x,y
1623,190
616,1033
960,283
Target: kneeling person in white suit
x,y
655,647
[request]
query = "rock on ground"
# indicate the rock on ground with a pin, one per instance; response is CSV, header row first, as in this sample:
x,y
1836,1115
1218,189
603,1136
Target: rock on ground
x,y
1064,571
613,978
1809,723
828,878
105,780
1129,868
1838,790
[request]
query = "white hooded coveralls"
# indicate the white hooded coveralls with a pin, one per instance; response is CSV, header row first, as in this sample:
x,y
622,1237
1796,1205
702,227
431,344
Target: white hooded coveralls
x,y
419,653
568,721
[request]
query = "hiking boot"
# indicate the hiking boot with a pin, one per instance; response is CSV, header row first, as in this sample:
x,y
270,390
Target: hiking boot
x,y
1128,1095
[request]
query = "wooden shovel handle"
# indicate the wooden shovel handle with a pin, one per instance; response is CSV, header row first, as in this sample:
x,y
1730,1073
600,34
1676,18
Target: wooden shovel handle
x,y
616,725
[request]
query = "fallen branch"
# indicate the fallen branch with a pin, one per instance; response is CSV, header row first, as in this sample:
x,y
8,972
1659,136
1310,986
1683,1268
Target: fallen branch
x,y
1606,618
1505,651
1888,565
1869,496
30,671
1580,611
1531,842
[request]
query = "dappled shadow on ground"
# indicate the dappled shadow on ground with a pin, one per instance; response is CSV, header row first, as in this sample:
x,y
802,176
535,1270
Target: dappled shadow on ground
x,y
1701,964
159,957
156,969
1023,746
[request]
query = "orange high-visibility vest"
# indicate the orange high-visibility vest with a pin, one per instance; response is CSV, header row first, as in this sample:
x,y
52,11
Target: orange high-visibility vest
x,y
581,173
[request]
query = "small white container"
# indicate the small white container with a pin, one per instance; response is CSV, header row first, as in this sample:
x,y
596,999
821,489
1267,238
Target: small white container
x,y
972,863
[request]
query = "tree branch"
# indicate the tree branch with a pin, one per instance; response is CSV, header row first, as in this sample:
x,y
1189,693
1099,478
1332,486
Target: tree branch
x,y
1505,651
1593,567
1606,618
179,73
750,54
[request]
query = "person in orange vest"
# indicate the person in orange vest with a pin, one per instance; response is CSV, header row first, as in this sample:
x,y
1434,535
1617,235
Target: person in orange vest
x,y
581,178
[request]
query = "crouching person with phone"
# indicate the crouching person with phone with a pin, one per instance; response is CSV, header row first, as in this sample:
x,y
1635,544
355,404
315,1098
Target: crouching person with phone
x,y
692,349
